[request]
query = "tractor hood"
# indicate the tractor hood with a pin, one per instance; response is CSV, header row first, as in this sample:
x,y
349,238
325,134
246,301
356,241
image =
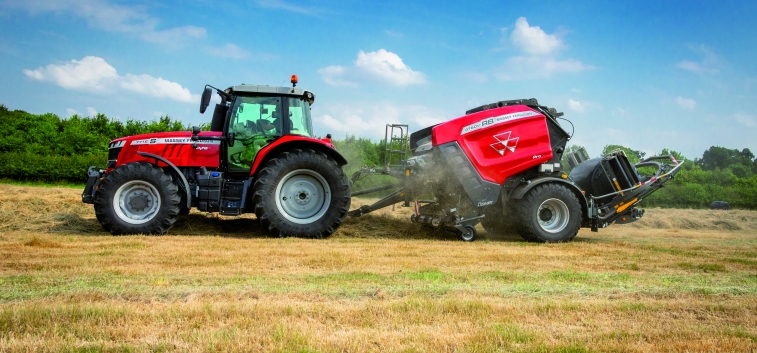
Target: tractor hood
x,y
159,137
176,147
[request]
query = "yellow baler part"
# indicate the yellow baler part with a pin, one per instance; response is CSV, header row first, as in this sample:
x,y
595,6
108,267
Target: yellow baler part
x,y
628,204
617,185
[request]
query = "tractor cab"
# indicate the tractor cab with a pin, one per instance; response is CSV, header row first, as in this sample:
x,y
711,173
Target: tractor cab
x,y
253,116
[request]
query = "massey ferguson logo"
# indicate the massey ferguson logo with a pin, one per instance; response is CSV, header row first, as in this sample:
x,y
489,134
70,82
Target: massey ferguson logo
x,y
504,142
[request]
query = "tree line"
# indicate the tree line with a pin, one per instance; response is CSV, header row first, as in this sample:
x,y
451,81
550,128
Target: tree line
x,y
45,147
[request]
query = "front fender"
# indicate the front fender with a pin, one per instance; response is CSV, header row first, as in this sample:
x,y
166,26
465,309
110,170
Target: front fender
x,y
184,184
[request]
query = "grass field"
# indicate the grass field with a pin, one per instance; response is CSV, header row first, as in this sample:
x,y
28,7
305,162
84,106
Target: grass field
x,y
676,281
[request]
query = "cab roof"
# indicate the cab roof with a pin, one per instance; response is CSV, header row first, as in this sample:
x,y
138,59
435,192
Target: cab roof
x,y
267,89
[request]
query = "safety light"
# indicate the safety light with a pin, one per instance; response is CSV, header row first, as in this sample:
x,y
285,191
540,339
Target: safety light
x,y
294,80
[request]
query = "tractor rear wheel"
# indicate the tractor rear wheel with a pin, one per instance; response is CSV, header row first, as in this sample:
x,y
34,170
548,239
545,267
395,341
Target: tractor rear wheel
x,y
548,213
137,198
301,193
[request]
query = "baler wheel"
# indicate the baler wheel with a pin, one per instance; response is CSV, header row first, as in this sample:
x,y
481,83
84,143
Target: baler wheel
x,y
302,193
468,233
548,213
137,198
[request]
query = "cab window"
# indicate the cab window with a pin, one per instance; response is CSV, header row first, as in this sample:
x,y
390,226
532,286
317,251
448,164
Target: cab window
x,y
254,122
256,116
299,117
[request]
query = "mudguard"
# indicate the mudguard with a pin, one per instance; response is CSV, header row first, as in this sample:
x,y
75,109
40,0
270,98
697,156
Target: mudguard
x,y
184,183
293,141
521,190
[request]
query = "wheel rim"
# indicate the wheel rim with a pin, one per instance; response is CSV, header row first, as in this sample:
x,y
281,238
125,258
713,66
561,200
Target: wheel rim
x,y
468,234
136,202
553,215
303,196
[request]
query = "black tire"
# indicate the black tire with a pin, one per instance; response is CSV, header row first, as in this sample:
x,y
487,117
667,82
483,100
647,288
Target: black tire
x,y
150,200
548,213
313,195
468,234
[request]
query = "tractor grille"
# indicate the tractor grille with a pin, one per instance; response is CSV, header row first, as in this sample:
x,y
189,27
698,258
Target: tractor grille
x,y
113,153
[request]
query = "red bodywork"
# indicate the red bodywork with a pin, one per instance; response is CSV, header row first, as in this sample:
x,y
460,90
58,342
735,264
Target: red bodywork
x,y
499,142
177,148
282,140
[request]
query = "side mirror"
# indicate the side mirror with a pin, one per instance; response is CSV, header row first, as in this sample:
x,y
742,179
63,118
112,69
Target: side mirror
x,y
195,131
232,138
205,99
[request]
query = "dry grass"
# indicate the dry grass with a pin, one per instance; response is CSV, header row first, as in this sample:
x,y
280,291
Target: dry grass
x,y
677,281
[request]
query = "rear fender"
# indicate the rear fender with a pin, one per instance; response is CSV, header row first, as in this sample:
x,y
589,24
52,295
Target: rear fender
x,y
287,143
521,191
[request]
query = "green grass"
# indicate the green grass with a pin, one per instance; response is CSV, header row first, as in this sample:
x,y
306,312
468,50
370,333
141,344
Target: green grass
x,y
359,285
44,184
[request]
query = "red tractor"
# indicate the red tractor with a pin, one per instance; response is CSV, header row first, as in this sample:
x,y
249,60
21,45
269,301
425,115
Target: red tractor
x,y
499,164
259,156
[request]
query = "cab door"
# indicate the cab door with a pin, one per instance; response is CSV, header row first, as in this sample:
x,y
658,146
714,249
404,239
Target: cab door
x,y
253,123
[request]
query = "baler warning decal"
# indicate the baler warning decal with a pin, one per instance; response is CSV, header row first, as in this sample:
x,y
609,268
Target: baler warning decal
x,y
497,120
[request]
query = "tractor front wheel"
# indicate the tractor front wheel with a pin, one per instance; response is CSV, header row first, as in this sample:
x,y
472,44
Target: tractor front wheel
x,y
137,198
301,193
548,213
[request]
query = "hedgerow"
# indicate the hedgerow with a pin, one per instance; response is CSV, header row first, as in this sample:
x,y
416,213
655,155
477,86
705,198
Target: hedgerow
x,y
45,147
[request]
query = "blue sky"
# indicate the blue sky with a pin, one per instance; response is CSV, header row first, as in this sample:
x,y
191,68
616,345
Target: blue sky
x,y
645,74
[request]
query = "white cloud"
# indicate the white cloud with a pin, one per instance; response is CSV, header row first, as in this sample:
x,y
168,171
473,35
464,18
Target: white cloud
x,y
94,74
88,74
112,17
540,55
691,66
229,50
710,62
176,36
620,112
157,87
370,119
393,33
424,116
282,5
388,67
535,67
576,106
382,66
686,103
533,40
91,111
335,76
746,120
71,112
